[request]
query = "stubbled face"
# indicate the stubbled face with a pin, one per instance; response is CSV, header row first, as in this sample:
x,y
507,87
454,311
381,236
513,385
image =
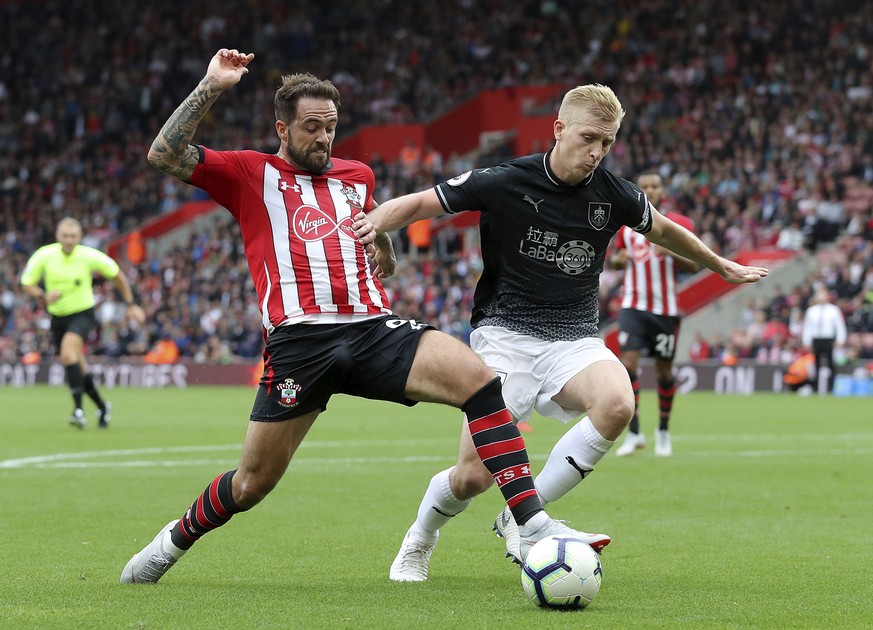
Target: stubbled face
x,y
653,187
583,141
68,235
307,141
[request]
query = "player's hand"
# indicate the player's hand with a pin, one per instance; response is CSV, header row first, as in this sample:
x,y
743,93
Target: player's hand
x,y
136,314
386,262
736,273
364,231
52,296
663,252
227,67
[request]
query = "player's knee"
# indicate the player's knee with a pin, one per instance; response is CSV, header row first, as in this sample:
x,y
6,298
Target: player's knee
x,y
69,357
489,391
250,489
616,407
469,481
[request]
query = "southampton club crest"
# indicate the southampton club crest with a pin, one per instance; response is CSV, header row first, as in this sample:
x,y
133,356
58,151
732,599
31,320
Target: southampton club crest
x,y
598,214
288,390
352,197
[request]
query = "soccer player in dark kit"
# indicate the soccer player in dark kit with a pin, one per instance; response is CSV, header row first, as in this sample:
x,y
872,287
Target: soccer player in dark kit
x,y
545,225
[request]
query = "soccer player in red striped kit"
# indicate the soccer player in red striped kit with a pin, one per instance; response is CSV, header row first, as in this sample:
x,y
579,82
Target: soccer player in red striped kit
x,y
327,322
649,316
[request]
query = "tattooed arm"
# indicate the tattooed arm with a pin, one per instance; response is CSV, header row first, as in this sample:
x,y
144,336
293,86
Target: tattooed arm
x,y
172,151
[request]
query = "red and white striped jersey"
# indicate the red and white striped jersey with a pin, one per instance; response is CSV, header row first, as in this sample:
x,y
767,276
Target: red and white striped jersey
x,y
304,259
649,278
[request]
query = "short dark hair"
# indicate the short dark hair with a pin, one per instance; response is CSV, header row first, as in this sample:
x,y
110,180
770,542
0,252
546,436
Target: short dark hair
x,y
296,86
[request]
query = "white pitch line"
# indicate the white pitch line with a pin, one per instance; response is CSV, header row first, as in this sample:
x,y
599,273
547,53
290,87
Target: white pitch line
x,y
332,461
42,459
72,460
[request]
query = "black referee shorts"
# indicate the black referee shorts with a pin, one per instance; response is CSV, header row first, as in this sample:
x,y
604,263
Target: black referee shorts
x,y
81,323
305,364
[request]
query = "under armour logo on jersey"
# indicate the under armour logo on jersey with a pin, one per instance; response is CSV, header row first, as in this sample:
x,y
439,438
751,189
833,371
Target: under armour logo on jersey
x,y
283,186
535,204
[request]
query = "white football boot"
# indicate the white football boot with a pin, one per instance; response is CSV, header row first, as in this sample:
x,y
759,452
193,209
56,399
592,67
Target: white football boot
x,y
156,558
78,419
663,444
632,443
519,540
413,559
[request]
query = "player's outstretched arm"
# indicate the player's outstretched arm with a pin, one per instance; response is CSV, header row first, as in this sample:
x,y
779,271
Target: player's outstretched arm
x,y
678,240
395,214
172,151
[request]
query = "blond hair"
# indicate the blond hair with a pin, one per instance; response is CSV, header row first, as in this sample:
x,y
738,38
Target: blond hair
x,y
598,100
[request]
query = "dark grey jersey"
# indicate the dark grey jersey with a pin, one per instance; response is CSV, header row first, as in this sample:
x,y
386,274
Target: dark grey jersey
x,y
543,243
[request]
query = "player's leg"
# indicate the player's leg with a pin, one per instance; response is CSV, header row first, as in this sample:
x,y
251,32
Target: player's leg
x,y
70,350
448,494
447,371
267,451
666,394
444,368
602,390
104,408
634,439
282,414
634,335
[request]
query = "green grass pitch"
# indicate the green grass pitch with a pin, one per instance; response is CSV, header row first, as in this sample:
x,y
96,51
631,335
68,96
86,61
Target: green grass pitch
x,y
762,519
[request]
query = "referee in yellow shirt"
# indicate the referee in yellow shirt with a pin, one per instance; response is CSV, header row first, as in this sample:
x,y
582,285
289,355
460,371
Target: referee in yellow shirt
x,y
66,270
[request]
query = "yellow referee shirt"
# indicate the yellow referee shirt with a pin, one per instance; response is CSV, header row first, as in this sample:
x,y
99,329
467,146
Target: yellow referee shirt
x,y
71,275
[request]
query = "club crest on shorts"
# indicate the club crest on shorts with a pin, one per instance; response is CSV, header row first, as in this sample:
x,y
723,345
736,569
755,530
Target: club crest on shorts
x,y
288,393
598,214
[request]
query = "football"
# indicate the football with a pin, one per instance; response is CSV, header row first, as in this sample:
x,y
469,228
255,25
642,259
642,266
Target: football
x,y
561,572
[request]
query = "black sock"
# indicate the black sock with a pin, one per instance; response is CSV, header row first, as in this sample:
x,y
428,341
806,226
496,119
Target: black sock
x,y
634,426
76,383
666,393
92,392
210,510
501,448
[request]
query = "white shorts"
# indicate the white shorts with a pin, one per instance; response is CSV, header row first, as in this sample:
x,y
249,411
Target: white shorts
x,y
533,370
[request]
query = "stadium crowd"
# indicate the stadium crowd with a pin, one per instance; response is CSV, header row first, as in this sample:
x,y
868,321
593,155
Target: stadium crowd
x,y
758,119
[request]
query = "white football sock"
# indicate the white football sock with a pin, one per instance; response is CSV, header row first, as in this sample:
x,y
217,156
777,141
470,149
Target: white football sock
x,y
438,505
584,446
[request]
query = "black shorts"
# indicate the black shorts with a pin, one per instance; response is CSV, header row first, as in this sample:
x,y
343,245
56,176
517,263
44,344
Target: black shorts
x,y
305,364
641,330
81,323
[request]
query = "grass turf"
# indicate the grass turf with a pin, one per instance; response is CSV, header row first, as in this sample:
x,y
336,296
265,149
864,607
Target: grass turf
x,y
762,519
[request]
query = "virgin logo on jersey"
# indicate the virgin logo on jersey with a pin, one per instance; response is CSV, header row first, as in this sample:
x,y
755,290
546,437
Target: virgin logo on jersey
x,y
313,224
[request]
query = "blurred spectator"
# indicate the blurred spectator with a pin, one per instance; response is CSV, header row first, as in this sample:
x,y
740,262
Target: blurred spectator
x,y
824,329
754,117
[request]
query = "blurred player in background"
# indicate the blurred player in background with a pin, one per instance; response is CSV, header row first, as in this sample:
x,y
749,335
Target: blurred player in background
x,y
546,222
649,316
66,271
326,316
